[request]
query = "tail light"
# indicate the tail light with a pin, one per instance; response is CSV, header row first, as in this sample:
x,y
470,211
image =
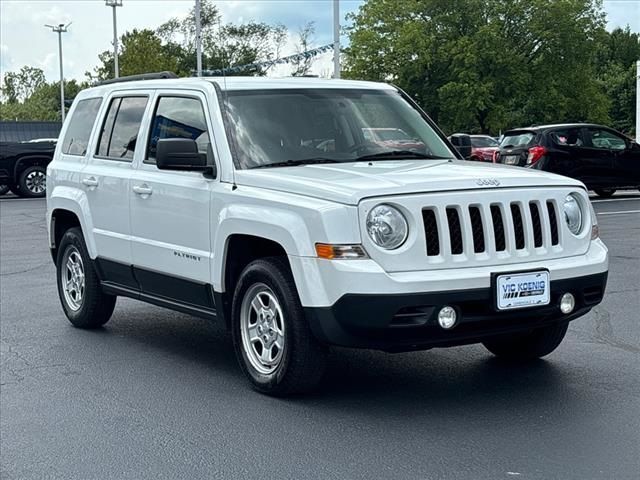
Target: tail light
x,y
496,156
535,154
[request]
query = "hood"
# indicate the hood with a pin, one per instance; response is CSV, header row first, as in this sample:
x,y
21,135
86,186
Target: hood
x,y
351,182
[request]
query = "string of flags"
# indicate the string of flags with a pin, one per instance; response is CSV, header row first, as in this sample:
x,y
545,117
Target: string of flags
x,y
270,63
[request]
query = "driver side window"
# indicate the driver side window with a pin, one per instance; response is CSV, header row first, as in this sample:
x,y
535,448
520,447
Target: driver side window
x,y
606,140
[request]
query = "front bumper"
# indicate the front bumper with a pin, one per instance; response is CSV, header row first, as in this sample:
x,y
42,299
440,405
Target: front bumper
x,y
405,322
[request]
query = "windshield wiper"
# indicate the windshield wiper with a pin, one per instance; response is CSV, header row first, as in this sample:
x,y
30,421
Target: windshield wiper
x,y
294,163
396,154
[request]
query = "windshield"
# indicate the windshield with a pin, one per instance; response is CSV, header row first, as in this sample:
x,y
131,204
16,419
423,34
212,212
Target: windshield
x,y
517,139
483,142
330,125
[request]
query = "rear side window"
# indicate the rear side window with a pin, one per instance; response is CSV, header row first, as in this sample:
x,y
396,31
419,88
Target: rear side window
x,y
567,136
119,134
76,140
179,117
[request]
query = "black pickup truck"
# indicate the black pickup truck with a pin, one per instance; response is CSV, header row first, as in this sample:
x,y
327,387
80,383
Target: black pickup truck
x,y
23,167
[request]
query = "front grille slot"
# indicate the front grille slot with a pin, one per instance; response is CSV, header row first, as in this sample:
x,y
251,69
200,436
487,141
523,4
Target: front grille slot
x,y
498,228
537,225
455,232
431,232
553,223
477,229
518,227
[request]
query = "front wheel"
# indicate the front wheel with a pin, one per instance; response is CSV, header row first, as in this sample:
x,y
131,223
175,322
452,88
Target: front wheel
x,y
535,344
33,182
605,192
274,345
82,298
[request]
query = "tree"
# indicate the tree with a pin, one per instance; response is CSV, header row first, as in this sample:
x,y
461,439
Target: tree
x,y
305,40
484,65
18,86
141,51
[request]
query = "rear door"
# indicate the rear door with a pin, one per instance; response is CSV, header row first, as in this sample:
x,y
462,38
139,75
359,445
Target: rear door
x,y
170,210
106,180
597,157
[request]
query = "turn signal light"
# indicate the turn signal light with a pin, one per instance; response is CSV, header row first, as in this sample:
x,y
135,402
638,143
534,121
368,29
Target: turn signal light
x,y
340,252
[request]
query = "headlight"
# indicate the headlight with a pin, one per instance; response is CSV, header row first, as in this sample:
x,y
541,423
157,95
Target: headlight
x,y
387,227
573,213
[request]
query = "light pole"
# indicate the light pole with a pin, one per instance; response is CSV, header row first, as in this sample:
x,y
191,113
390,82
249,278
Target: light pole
x,y
336,38
114,4
638,102
60,29
198,39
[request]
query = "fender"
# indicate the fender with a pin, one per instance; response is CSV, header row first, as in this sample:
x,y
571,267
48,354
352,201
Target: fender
x,y
73,200
36,159
285,227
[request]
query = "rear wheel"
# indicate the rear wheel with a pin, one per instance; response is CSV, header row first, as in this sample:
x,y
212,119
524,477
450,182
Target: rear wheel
x,y
4,189
535,344
33,182
83,301
274,345
605,192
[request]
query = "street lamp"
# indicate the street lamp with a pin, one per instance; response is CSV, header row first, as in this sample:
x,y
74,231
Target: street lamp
x,y
114,4
198,39
60,29
336,38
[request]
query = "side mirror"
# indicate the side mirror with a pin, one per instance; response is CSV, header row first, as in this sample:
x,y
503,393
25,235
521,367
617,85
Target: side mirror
x,y
181,154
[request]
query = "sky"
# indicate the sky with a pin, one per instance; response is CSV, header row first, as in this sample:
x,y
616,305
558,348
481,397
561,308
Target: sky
x,y
25,41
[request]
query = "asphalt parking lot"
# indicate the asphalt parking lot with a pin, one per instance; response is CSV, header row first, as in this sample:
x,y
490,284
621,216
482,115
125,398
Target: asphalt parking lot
x,y
157,394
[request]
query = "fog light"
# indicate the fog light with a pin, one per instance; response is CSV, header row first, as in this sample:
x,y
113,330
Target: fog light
x,y
567,303
447,317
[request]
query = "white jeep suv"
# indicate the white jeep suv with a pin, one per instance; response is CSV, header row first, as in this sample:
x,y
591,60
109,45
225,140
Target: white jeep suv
x,y
265,204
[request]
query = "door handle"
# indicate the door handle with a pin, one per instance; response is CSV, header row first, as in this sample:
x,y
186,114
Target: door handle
x,y
90,181
143,189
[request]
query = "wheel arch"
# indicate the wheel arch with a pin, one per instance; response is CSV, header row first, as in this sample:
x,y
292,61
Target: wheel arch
x,y
63,213
29,161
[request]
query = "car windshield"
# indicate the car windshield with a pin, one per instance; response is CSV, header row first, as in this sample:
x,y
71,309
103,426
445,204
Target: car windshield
x,y
483,142
303,126
517,139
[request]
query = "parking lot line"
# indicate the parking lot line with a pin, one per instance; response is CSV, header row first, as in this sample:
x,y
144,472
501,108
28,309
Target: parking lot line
x,y
616,200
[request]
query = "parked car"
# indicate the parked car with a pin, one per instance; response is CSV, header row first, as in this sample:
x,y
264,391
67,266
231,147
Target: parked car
x,y
23,167
210,197
602,158
483,148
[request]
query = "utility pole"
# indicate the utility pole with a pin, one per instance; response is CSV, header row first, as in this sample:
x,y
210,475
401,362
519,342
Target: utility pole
x,y
60,29
336,38
198,40
114,4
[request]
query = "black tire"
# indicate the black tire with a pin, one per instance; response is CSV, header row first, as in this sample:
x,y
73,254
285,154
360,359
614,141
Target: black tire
x,y
535,344
605,192
303,359
32,182
4,189
95,307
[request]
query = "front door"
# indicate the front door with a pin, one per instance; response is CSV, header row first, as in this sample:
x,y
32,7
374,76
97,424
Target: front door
x,y
170,210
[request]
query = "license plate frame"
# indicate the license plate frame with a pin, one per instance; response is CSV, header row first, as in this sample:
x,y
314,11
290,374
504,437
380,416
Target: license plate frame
x,y
511,159
516,295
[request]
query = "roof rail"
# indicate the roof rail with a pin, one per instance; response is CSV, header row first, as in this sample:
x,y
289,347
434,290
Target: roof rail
x,y
142,76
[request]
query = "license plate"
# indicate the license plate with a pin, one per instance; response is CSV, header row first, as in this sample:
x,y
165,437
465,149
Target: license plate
x,y
511,159
521,290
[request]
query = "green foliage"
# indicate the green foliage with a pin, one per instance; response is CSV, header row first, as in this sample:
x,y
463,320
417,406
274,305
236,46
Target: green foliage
x,y
488,65
18,86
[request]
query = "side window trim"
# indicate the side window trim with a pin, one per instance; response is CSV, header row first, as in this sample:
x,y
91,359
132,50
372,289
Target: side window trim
x,y
118,96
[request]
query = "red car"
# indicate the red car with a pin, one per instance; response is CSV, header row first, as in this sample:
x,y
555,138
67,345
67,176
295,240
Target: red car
x,y
483,148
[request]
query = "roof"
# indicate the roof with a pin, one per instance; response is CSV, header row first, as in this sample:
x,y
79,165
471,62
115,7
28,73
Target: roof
x,y
24,131
235,83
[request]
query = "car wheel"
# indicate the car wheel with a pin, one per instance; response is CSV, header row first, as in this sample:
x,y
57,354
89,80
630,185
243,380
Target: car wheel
x,y
273,342
528,346
605,192
83,301
4,189
33,182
